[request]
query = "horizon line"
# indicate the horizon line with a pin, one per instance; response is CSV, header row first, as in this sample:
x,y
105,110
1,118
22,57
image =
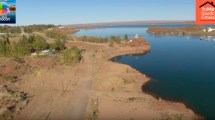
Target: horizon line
x,y
113,22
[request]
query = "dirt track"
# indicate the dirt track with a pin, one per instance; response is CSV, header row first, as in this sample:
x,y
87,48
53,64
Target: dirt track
x,y
82,91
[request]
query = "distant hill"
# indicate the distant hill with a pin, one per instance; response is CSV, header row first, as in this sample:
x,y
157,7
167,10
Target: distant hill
x,y
129,23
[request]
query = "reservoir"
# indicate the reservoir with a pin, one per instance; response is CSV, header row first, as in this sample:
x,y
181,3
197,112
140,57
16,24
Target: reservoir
x,y
181,68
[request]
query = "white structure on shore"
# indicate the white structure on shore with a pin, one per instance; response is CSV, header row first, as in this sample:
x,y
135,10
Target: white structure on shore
x,y
209,29
44,53
61,27
136,36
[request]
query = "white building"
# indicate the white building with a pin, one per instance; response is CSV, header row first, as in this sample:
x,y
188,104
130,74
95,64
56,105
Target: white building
x,y
44,53
209,29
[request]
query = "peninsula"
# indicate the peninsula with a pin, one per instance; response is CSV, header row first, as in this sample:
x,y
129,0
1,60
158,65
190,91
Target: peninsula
x,y
194,30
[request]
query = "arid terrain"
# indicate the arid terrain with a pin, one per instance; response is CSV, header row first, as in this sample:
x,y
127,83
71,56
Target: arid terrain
x,y
94,89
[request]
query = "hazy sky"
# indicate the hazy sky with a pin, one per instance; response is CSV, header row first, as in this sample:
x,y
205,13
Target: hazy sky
x,y
92,11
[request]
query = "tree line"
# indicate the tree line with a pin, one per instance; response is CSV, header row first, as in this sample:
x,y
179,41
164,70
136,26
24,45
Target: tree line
x,y
10,29
26,45
27,29
37,28
111,39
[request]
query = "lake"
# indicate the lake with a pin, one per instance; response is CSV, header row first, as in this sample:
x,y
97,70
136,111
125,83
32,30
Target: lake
x,y
181,68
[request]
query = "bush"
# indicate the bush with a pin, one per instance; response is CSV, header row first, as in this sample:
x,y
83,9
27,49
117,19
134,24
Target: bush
x,y
2,48
10,29
36,28
39,43
72,55
126,37
19,49
115,39
55,34
58,45
92,39
11,79
5,45
23,47
111,43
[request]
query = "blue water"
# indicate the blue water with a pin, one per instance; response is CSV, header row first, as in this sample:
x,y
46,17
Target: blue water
x,y
182,69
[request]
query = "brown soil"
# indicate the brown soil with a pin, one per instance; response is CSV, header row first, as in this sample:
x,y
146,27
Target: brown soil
x,y
11,69
11,102
95,89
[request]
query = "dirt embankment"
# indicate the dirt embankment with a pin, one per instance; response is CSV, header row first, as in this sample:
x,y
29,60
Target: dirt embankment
x,y
11,102
194,30
97,88
12,71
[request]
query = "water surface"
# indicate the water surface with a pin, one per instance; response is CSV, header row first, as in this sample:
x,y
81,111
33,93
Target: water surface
x,y
182,69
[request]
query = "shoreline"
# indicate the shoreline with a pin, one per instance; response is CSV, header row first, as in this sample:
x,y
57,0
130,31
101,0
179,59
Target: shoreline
x,y
115,88
193,30
174,101
146,82
144,48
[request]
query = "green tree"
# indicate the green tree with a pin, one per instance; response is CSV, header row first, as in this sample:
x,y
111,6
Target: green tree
x,y
39,43
126,37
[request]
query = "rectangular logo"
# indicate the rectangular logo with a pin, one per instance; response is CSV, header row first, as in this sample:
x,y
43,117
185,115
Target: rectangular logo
x,y
205,11
7,11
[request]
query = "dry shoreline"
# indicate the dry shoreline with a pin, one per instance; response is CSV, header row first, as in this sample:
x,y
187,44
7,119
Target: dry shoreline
x,y
97,88
144,52
141,49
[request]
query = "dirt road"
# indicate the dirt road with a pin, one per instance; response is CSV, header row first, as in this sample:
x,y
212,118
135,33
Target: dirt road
x,y
82,91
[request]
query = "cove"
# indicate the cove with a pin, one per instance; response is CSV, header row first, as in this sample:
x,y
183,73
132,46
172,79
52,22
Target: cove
x,y
181,69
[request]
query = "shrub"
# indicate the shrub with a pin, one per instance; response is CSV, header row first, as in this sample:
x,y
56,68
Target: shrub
x,y
2,48
115,39
92,39
58,45
39,43
72,55
111,43
36,28
10,29
25,46
5,45
19,50
55,34
126,37
11,79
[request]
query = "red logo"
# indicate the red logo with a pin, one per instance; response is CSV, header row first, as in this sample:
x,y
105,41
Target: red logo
x,y
205,12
